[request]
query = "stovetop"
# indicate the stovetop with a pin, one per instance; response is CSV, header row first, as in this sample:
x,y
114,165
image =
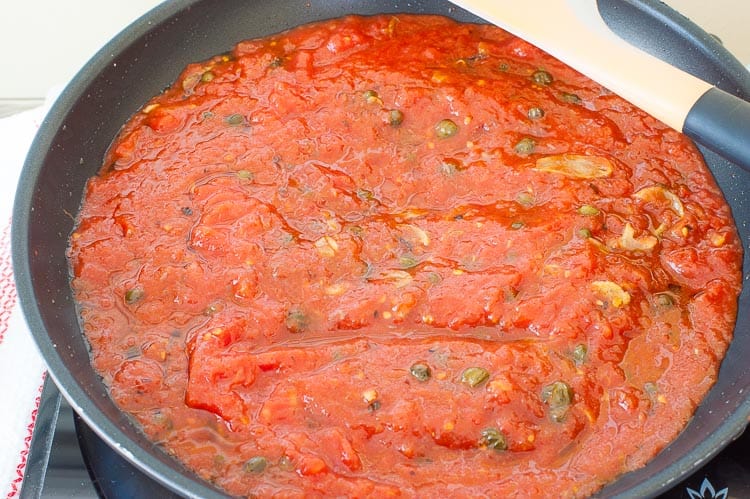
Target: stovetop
x,y
67,459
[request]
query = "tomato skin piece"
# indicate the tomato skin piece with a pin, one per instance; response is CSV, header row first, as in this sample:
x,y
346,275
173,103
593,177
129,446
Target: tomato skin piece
x,y
294,255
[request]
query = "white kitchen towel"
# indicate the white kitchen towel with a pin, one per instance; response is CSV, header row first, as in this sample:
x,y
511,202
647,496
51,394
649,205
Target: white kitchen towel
x,y
22,370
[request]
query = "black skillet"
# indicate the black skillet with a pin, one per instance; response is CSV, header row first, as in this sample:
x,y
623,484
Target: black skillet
x,y
149,55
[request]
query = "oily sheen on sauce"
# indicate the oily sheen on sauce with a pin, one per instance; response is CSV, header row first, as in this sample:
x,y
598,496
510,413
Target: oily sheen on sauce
x,y
399,255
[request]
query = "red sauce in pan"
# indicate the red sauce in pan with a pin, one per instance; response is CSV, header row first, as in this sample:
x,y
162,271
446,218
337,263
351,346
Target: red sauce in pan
x,y
403,256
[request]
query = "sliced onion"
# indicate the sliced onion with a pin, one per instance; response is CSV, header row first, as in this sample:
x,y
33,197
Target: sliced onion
x,y
418,232
611,292
658,194
575,165
630,243
399,278
326,246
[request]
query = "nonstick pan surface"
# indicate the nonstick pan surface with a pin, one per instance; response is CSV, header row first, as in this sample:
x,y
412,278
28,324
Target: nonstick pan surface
x,y
149,55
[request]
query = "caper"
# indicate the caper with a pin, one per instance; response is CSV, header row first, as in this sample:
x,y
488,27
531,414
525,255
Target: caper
x,y
235,119
588,211
207,76
245,174
570,98
535,113
663,300
276,62
517,225
542,77
134,295
395,117
579,353
421,371
296,321
474,376
525,146
450,167
558,396
504,67
364,194
211,309
525,198
371,97
408,261
492,438
256,464
584,233
446,128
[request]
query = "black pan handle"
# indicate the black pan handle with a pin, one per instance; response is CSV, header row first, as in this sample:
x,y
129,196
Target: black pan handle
x,y
721,122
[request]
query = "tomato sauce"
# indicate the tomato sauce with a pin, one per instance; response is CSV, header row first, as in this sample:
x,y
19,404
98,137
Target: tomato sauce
x,y
402,256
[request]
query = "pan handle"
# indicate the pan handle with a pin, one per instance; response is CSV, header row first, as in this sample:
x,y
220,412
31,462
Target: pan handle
x,y
574,32
721,122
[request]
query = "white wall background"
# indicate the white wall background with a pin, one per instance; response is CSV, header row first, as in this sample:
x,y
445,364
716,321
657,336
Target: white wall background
x,y
44,42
